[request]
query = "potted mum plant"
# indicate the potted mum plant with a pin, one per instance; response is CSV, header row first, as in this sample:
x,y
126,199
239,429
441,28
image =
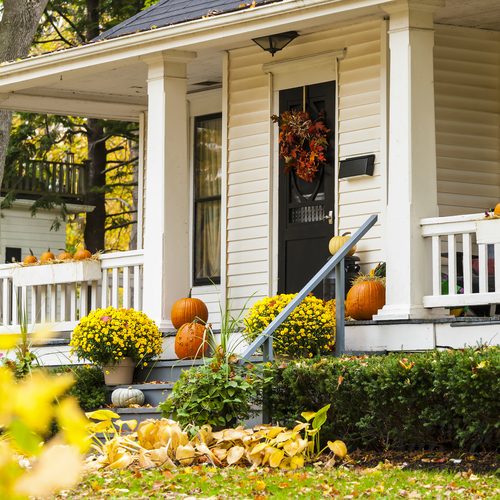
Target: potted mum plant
x,y
118,340
307,332
303,142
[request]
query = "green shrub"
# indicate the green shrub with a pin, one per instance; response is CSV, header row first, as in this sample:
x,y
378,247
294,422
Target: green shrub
x,y
449,398
89,388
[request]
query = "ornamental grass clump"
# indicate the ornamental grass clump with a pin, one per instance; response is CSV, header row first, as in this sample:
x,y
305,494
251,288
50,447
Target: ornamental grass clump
x,y
308,331
107,335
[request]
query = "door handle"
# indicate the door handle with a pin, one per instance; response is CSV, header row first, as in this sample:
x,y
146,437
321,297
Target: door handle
x,y
329,217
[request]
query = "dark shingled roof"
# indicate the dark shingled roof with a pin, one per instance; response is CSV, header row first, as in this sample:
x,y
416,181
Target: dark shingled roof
x,y
168,12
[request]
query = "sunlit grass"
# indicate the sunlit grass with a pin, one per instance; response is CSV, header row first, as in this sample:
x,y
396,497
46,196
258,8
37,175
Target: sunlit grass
x,y
201,482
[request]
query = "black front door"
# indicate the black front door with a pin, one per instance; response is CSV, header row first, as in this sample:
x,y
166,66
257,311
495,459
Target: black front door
x,y
304,234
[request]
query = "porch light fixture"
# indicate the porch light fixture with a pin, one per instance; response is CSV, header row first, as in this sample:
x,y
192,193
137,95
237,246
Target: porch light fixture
x,y
273,43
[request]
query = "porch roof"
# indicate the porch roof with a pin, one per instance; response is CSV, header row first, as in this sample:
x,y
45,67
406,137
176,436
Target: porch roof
x,y
169,12
107,79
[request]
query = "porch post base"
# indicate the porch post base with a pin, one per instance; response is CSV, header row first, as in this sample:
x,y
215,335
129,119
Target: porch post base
x,y
403,311
165,325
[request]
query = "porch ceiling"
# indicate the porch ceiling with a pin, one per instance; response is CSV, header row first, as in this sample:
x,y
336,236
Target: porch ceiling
x,y
483,14
108,79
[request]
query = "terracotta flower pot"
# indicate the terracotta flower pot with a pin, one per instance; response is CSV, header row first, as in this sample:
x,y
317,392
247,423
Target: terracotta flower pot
x,y
121,373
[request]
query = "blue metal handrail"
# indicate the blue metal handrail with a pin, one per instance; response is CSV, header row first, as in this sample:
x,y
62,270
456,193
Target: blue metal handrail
x,y
265,339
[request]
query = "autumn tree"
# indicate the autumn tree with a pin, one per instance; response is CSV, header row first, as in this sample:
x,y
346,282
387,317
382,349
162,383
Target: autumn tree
x,y
65,24
20,19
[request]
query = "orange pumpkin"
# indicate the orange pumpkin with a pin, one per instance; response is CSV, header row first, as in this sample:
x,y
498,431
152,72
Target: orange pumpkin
x,y
64,255
365,299
187,310
190,341
497,209
30,259
83,253
46,256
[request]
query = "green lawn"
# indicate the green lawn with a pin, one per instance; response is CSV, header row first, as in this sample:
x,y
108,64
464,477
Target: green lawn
x,y
203,482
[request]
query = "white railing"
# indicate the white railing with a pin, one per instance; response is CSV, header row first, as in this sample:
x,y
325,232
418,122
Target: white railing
x,y
472,269
62,302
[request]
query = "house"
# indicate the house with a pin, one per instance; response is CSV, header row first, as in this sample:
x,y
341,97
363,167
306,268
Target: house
x,y
416,83
19,230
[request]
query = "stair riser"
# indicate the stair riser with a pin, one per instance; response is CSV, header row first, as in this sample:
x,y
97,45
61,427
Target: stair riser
x,y
153,394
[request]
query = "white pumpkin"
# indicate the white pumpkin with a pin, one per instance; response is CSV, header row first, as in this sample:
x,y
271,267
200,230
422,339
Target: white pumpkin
x,y
122,398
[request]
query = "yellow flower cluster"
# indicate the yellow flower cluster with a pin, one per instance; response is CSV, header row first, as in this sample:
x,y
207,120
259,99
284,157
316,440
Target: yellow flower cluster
x,y
308,331
106,335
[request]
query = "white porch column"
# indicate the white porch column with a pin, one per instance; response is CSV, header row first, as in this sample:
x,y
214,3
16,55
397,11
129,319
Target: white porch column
x,y
412,176
166,236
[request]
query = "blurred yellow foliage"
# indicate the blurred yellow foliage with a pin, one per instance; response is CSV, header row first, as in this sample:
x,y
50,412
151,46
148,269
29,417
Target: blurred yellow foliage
x,y
27,410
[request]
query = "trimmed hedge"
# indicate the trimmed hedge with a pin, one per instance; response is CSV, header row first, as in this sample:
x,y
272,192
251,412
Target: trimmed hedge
x,y
448,398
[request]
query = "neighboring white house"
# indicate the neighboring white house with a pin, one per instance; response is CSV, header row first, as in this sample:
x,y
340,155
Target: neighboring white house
x,y
19,230
416,83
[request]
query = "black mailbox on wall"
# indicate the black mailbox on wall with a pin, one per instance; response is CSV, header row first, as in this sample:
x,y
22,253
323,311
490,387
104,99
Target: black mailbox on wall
x,y
358,166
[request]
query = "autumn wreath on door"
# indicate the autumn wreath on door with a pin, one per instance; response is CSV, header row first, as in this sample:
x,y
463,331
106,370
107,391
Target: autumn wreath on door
x,y
303,142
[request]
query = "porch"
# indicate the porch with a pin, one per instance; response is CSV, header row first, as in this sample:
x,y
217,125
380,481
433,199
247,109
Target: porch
x,y
61,298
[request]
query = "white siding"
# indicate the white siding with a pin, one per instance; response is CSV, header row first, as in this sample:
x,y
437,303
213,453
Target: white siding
x,y
20,230
248,241
467,96
359,133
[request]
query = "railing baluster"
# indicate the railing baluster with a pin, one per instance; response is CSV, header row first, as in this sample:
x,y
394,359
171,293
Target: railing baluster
x,y
24,304
115,288
43,305
339,308
452,265
93,295
53,303
483,268
436,265
84,297
137,288
63,304
467,262
73,299
126,287
6,302
497,266
105,288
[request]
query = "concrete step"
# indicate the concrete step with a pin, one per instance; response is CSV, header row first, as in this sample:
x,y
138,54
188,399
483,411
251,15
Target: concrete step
x,y
165,371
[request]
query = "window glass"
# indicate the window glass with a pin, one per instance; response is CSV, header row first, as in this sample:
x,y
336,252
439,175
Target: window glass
x,y
207,199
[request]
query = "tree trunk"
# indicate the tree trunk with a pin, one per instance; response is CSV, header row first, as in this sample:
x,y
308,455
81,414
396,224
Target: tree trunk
x,y
97,153
17,29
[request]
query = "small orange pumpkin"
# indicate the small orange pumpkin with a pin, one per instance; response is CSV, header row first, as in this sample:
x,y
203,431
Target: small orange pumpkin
x,y
30,259
497,210
365,299
187,310
191,342
64,255
47,256
82,254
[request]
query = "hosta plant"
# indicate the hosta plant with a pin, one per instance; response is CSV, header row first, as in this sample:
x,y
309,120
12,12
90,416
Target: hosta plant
x,y
165,443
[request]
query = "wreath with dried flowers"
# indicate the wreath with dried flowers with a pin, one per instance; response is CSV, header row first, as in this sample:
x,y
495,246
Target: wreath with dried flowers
x,y
303,142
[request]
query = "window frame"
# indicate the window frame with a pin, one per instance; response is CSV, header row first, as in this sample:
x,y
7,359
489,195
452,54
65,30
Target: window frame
x,y
212,279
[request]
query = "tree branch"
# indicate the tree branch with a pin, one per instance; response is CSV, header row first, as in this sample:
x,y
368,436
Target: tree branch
x,y
123,202
123,163
112,150
122,213
118,226
66,18
51,21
